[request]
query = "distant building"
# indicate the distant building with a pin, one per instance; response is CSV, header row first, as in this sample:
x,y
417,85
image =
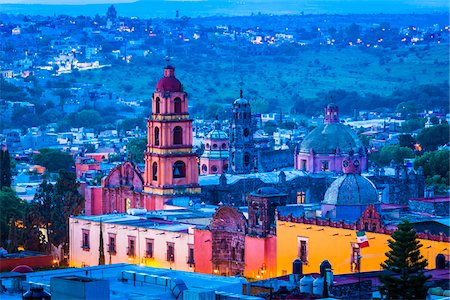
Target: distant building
x,y
325,147
214,159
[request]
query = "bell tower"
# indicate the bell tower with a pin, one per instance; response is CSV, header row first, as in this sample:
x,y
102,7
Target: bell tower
x,y
241,146
170,164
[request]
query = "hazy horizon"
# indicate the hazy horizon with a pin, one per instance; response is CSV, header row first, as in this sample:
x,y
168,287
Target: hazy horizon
x,y
204,8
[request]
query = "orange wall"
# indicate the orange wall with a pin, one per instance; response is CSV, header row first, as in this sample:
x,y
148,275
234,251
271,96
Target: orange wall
x,y
203,251
334,244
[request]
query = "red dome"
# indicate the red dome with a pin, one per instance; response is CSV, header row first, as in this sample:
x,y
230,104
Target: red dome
x,y
22,269
169,83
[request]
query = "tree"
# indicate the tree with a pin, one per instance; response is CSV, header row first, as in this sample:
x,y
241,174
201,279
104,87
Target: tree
x,y
42,207
5,169
392,152
53,159
406,140
406,264
435,165
432,137
136,147
111,13
11,208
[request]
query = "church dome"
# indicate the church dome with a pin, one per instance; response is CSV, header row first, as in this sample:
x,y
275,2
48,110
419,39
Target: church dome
x,y
169,83
351,189
217,134
326,138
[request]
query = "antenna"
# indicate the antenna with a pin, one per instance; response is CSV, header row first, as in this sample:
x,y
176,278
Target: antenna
x,y
240,91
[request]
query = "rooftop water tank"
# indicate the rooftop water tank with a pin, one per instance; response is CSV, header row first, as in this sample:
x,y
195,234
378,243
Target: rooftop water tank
x,y
318,286
297,267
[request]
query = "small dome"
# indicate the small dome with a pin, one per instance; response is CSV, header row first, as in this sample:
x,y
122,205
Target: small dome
x,y
326,138
217,134
351,189
241,101
169,83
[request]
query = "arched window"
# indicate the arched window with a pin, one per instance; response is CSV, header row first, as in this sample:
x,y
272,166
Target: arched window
x,y
246,159
156,136
214,146
158,105
179,169
177,105
204,168
214,169
246,132
177,136
374,227
224,145
155,171
366,226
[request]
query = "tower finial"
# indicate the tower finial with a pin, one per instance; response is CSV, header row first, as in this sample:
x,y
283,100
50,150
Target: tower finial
x,y
240,91
167,59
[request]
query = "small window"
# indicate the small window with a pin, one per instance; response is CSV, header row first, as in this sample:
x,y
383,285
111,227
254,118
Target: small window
x,y
177,105
190,260
325,166
214,169
112,244
86,240
204,168
179,169
224,145
246,132
303,249
214,146
246,159
158,105
177,135
156,136
131,251
149,248
303,165
207,146
170,252
301,197
155,171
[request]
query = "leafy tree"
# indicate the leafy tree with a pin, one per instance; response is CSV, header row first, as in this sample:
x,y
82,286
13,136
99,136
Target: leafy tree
x,y
5,169
136,147
406,140
407,109
42,207
407,265
53,159
392,152
432,137
436,165
129,124
11,208
412,125
111,13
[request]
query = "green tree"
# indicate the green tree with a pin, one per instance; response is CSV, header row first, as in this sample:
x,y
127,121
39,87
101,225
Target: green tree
x,y
435,165
406,140
389,153
41,209
432,137
111,13
136,147
5,169
406,262
11,208
53,159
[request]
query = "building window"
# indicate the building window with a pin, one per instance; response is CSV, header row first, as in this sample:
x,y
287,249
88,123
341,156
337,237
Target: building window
x,y
224,145
177,136
207,145
303,165
177,105
355,260
158,105
170,252
301,196
112,244
214,146
190,259
155,171
246,132
303,249
214,169
149,248
131,251
86,241
325,166
246,159
156,136
225,167
179,169
204,168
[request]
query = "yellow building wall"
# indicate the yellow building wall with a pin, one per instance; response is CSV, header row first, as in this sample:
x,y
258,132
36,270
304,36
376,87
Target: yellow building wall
x,y
334,245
